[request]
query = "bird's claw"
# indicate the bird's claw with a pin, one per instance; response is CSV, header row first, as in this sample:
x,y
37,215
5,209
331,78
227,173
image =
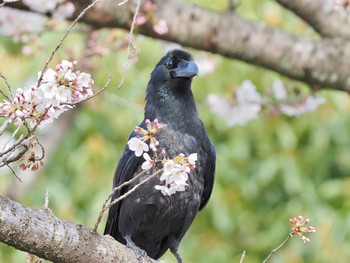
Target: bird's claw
x,y
140,253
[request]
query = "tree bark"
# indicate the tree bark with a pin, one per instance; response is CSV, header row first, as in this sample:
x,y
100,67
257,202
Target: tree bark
x,y
322,16
40,232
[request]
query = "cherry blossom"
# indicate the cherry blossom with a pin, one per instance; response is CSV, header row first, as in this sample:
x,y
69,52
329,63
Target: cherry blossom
x,y
279,90
18,24
175,173
138,146
192,159
299,227
64,10
39,105
161,27
245,109
169,189
248,103
41,6
310,103
148,163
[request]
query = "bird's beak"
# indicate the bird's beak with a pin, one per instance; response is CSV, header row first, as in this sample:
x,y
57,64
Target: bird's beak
x,y
185,69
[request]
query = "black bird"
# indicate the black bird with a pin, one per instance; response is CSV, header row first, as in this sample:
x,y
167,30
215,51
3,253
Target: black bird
x,y
147,219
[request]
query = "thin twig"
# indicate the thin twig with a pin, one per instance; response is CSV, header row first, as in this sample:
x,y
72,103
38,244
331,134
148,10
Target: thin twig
x,y
64,37
46,203
41,148
14,172
115,189
123,2
11,157
115,201
277,248
8,86
9,140
4,126
242,257
130,45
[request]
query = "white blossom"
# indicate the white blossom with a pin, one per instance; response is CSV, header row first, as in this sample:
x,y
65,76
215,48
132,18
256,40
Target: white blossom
x,y
69,75
148,163
84,79
178,177
192,158
137,146
311,103
17,23
64,11
247,94
49,76
41,6
279,90
63,94
243,113
246,108
165,189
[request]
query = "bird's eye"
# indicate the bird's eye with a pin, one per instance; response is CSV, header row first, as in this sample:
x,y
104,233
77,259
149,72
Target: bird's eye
x,y
169,64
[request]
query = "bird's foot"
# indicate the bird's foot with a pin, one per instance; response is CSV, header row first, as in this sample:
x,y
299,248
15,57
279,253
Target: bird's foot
x,y
140,253
176,253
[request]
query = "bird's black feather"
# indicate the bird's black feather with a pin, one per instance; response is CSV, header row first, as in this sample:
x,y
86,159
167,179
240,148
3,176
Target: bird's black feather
x,y
156,222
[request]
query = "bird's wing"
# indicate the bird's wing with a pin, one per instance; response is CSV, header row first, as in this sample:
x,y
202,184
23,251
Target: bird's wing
x,y
208,173
125,171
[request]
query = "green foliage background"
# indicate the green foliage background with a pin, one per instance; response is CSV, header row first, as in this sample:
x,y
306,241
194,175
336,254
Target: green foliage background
x,y
270,170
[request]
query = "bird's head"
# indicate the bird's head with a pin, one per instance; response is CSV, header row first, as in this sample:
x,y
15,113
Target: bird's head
x,y
169,88
174,71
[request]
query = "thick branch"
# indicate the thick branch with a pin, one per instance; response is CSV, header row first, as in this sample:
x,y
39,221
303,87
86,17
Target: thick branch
x,y
321,63
43,234
322,16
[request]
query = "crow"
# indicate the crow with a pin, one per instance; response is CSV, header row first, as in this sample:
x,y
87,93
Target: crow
x,y
147,220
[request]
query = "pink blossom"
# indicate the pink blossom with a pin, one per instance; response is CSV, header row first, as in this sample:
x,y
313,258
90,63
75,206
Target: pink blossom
x,y
161,27
140,19
299,227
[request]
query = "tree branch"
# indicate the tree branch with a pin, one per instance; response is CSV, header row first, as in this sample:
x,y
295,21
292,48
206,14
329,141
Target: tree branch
x,y
323,63
41,233
322,16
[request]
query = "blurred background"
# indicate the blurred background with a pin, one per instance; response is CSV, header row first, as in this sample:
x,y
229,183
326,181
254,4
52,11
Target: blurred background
x,y
269,170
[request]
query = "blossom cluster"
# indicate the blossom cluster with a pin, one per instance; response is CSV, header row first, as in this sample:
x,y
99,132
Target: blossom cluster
x,y
138,144
249,103
58,90
299,227
175,171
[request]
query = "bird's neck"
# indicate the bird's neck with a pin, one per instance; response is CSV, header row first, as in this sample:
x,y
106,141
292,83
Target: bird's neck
x,y
176,109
